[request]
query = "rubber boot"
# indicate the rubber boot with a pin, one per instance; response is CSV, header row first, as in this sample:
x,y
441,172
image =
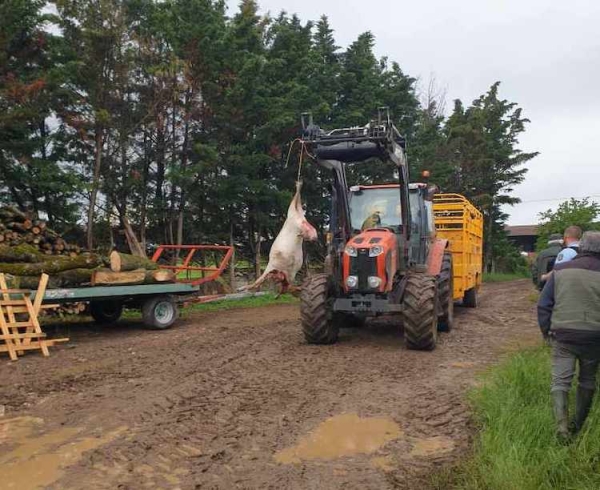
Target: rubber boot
x,y
560,400
583,402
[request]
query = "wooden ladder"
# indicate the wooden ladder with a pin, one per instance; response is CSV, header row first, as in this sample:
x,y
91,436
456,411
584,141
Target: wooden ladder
x,y
19,325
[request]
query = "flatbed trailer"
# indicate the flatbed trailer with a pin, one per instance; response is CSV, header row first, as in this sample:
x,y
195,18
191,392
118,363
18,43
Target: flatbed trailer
x,y
157,302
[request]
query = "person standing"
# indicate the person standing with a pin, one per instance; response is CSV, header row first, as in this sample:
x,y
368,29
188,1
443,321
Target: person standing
x,y
545,260
571,239
569,315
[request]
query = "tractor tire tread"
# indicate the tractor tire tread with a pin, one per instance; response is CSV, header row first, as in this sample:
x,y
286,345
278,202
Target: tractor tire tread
x,y
445,293
316,317
420,311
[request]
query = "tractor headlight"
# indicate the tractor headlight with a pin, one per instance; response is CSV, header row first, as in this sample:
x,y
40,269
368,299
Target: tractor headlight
x,y
351,282
351,251
375,251
374,282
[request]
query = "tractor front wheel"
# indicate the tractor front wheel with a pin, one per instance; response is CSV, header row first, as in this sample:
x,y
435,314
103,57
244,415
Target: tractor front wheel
x,y
316,311
420,311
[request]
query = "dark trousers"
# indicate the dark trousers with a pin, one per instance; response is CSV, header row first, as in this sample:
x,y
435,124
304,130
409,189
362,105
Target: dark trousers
x,y
564,360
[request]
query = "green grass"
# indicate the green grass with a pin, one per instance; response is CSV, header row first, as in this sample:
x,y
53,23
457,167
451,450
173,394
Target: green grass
x,y
501,277
516,448
251,302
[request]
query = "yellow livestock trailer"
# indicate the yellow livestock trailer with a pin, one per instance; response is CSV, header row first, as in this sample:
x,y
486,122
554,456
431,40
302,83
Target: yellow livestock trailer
x,y
461,223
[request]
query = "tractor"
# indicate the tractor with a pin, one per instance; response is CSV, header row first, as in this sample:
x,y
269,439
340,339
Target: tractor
x,y
382,253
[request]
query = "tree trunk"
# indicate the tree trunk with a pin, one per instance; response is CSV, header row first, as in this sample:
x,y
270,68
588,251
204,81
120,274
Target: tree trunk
x,y
488,241
52,265
257,251
144,204
132,241
160,177
70,278
183,167
231,244
19,253
123,262
95,185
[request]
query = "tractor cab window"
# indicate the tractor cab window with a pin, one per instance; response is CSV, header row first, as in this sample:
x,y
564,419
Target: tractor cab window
x,y
375,208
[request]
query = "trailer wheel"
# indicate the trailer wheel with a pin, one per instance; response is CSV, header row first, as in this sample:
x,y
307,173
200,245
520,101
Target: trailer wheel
x,y
318,324
470,299
446,292
420,312
106,311
159,312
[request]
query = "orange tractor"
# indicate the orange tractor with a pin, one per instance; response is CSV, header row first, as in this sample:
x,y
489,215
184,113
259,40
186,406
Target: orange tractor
x,y
383,256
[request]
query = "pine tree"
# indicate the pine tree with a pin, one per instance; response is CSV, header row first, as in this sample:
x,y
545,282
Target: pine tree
x,y
482,149
31,174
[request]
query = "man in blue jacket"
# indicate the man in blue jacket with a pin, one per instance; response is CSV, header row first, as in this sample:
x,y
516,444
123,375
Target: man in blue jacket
x,y
571,239
569,314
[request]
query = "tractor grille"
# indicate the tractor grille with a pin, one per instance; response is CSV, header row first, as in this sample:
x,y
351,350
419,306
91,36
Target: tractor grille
x,y
363,266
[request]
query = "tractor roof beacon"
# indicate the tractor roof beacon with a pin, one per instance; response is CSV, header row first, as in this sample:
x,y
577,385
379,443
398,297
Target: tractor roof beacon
x,y
382,253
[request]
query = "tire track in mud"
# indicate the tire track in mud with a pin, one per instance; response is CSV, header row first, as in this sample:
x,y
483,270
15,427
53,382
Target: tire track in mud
x,y
209,403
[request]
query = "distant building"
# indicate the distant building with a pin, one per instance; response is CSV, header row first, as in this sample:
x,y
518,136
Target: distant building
x,y
523,236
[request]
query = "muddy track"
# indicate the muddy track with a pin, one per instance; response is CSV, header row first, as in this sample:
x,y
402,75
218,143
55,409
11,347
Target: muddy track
x,y
213,402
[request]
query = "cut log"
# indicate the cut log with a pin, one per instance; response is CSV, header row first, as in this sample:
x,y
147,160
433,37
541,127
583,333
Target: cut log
x,y
107,277
160,275
9,213
20,253
52,265
124,262
74,277
40,224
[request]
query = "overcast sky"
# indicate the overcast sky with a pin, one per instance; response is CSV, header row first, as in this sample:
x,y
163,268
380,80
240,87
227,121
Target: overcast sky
x,y
546,54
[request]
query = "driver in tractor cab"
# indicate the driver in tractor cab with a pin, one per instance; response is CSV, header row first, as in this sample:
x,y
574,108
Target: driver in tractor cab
x,y
375,211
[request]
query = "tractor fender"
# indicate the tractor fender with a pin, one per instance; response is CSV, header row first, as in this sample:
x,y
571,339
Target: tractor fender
x,y
436,256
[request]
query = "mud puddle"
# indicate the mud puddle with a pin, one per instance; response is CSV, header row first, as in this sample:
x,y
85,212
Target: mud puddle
x,y
33,458
342,435
432,446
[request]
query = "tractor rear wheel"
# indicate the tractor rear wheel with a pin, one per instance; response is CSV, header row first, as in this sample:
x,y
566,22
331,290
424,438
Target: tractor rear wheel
x,y
420,311
316,310
446,292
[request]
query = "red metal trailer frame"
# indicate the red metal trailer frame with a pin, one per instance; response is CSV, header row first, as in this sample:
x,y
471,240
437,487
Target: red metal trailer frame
x,y
215,272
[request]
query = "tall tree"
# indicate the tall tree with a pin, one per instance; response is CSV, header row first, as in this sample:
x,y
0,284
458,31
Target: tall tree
x,y
579,212
95,31
482,147
31,172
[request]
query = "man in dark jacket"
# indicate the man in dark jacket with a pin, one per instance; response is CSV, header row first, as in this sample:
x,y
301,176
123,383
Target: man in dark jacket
x,y
569,314
544,262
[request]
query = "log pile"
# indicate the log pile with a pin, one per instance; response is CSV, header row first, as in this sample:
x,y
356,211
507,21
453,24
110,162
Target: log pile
x,y
17,228
28,248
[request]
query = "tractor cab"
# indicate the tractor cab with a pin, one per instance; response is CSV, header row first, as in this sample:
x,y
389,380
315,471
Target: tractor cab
x,y
378,208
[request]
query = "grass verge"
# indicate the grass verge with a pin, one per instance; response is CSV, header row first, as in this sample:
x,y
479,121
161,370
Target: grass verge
x,y
501,277
251,302
516,448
